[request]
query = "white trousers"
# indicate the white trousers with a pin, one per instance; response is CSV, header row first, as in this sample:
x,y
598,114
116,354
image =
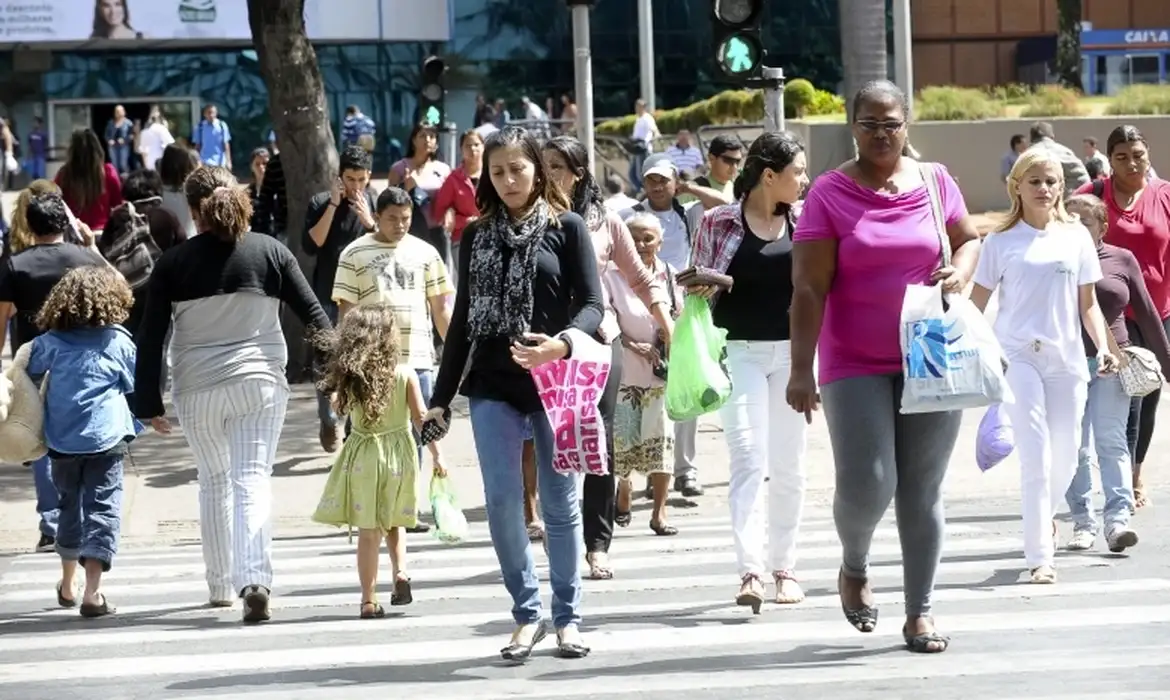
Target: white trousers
x,y
233,431
765,437
1046,420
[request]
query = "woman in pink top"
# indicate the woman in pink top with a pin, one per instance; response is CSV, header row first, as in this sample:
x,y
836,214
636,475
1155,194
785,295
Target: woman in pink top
x,y
91,186
567,164
455,203
867,231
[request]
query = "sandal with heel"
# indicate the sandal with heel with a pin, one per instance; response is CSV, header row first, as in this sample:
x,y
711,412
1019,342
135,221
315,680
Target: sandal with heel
x,y
751,593
371,610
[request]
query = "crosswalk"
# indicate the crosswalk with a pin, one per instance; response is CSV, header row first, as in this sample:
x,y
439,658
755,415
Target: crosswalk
x,y
664,626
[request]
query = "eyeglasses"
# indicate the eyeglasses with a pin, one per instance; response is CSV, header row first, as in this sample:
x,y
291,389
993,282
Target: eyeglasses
x,y
873,126
729,160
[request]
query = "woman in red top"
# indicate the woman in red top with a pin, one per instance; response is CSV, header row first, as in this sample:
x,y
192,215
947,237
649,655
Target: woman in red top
x,y
91,186
1139,221
455,202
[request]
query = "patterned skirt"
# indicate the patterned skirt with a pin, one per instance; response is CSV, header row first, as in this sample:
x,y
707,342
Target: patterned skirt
x,y
643,435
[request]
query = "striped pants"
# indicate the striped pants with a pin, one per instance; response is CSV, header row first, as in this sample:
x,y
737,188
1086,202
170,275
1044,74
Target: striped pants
x,y
234,430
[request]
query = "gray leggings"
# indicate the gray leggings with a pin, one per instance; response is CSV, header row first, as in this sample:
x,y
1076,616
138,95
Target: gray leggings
x,y
880,455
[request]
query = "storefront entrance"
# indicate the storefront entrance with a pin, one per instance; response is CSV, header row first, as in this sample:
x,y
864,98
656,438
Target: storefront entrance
x,y
67,116
1116,58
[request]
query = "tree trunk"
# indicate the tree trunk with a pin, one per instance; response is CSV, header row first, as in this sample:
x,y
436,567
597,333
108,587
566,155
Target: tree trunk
x,y
863,45
1068,43
296,104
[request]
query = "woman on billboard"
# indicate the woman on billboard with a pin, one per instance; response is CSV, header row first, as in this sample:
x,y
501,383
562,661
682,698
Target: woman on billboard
x,y
111,20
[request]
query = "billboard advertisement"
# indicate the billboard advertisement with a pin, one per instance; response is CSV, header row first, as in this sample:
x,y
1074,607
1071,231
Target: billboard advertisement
x,y
116,21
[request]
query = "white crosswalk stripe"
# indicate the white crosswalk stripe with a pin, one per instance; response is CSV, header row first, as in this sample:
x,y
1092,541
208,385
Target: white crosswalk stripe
x,y
664,626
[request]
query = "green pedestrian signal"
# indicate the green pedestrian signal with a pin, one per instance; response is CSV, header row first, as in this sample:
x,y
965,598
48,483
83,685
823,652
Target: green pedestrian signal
x,y
432,115
738,56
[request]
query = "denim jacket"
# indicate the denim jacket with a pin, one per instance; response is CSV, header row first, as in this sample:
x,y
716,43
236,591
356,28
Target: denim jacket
x,y
91,370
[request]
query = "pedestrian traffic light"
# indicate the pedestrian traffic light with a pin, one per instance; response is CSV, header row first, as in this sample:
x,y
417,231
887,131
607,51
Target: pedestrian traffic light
x,y
738,49
432,92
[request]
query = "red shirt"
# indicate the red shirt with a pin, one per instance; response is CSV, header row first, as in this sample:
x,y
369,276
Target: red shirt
x,y
97,214
1145,232
457,193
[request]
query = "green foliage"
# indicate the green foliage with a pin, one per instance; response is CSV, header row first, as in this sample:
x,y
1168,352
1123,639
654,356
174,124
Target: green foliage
x,y
801,94
945,104
1054,101
1011,93
825,102
1141,99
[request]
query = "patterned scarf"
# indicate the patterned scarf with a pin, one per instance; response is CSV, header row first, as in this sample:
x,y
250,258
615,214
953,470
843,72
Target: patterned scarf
x,y
503,266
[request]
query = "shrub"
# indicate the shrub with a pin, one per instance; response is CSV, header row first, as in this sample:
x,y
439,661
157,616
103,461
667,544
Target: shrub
x,y
1141,99
946,104
1053,101
732,106
801,94
1010,92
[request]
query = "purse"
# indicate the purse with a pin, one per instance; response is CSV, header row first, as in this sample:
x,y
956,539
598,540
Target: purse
x,y
1140,374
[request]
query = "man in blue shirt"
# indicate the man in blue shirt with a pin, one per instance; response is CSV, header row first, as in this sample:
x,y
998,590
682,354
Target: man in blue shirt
x,y
38,143
355,126
213,139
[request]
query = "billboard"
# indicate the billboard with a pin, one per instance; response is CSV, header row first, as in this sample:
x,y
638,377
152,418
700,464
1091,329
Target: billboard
x,y
218,21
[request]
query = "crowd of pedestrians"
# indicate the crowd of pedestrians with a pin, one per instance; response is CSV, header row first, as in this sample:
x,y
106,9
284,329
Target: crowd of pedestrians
x,y
505,262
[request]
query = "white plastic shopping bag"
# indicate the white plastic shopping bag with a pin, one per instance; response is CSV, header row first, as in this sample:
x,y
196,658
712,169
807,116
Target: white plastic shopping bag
x,y
951,359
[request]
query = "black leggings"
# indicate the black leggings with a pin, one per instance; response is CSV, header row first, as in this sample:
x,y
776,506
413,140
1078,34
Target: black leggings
x,y
599,494
1143,410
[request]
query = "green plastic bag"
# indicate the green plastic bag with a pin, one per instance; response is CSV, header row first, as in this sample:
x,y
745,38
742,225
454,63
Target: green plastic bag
x,y
450,523
698,381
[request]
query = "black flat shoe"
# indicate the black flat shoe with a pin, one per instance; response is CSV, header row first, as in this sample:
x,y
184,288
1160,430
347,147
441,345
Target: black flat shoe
x,y
516,651
571,649
62,601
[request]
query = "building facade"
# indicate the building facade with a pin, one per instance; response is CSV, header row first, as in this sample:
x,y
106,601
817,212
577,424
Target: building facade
x,y
990,42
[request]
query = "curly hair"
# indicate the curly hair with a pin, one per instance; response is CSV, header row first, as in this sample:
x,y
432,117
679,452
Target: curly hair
x,y
363,360
86,297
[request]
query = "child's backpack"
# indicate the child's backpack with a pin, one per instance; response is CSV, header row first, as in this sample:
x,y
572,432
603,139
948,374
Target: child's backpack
x,y
22,412
127,244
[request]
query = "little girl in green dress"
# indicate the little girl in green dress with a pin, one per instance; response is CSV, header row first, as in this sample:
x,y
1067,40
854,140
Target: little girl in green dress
x,y
372,484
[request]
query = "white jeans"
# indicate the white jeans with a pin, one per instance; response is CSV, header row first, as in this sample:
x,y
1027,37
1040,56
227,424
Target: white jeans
x,y
765,437
1046,420
233,431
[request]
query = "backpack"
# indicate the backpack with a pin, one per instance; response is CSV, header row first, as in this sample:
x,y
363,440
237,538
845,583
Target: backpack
x,y
128,245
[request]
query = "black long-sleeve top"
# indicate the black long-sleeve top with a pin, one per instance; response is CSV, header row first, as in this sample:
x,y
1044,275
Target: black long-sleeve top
x,y
225,299
566,293
271,205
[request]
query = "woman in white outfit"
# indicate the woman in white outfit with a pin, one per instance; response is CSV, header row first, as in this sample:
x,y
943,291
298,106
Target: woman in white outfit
x,y
751,240
1044,263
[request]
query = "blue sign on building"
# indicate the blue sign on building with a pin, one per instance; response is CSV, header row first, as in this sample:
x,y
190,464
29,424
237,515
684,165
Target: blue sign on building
x,y
1115,58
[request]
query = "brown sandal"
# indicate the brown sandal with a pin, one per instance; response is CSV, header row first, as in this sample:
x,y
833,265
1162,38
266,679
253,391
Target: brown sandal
x,y
372,610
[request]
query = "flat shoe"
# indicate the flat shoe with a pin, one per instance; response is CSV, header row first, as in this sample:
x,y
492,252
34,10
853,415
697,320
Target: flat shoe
x,y
92,610
62,601
518,651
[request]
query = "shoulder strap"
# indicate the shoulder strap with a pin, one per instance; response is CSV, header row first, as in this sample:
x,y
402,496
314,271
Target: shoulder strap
x,y
930,177
682,213
639,207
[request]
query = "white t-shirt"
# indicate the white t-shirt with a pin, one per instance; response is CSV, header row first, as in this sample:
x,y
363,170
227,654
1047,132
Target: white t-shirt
x,y
676,244
1039,275
645,129
151,143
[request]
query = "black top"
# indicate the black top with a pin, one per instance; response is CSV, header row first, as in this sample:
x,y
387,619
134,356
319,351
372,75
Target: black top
x,y
566,293
207,268
756,307
346,228
271,203
27,278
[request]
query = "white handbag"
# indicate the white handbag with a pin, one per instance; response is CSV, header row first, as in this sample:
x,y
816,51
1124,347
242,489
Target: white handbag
x,y
1140,373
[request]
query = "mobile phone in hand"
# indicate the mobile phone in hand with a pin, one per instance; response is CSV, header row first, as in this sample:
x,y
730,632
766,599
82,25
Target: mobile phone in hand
x,y
432,431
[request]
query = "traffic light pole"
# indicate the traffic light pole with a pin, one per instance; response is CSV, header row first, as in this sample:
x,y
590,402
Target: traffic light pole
x,y
583,77
773,84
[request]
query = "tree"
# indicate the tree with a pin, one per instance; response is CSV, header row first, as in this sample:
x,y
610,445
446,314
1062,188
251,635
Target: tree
x,y
1068,43
863,45
296,102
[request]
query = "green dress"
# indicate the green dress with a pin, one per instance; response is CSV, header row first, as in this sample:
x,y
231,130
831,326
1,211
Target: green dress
x,y
372,483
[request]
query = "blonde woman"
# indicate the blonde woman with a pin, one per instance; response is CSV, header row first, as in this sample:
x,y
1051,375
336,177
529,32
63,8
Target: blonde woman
x,y
1044,263
19,235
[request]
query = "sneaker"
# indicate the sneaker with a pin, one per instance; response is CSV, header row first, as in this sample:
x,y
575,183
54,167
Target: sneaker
x,y
256,604
1081,540
689,487
46,544
1120,539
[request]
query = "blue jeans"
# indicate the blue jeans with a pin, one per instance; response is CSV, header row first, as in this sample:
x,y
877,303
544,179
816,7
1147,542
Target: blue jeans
x,y
35,167
48,501
91,507
499,436
426,382
120,157
1103,432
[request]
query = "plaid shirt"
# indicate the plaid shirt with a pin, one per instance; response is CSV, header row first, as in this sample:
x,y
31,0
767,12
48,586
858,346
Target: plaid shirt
x,y
721,233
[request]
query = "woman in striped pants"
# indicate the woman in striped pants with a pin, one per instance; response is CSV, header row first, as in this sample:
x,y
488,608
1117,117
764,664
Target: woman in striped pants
x,y
223,291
